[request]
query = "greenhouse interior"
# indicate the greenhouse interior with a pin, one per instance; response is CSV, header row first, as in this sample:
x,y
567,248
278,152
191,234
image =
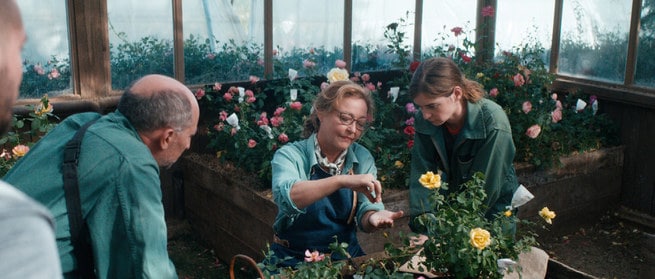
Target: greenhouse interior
x,y
215,139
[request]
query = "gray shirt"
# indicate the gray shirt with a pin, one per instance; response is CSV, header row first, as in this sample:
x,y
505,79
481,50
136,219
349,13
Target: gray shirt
x,y
27,240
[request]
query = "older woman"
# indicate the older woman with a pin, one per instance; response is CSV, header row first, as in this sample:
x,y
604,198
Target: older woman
x,y
458,133
325,185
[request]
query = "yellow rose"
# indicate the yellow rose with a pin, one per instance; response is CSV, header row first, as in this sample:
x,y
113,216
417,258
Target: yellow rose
x,y
399,164
480,238
41,110
479,75
20,150
547,215
430,180
337,74
508,213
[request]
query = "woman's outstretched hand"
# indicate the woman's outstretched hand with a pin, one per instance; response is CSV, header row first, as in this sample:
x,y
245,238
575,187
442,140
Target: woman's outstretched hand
x,y
384,218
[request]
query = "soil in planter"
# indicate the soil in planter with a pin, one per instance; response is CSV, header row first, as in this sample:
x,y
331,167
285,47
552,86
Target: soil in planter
x,y
605,247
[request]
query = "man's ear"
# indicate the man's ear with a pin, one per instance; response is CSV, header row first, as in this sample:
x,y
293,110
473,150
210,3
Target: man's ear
x,y
166,138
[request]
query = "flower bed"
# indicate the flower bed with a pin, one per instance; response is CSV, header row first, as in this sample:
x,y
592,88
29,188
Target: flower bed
x,y
231,212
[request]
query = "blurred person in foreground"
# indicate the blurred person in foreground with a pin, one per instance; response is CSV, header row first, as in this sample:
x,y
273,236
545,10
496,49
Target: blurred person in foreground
x,y
326,185
27,239
458,133
118,177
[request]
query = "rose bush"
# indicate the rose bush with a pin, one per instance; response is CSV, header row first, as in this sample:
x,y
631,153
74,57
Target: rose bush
x,y
18,140
546,125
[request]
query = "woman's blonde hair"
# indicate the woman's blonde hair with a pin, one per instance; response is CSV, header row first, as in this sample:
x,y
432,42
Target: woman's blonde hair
x,y
439,76
331,97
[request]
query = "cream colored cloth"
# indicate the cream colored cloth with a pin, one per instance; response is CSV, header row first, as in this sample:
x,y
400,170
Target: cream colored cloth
x,y
534,264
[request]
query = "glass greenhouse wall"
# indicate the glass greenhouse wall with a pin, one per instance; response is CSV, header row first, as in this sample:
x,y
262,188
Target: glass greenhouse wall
x,y
225,41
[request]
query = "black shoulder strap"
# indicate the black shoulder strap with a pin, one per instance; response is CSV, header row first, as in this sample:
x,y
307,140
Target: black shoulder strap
x,y
81,249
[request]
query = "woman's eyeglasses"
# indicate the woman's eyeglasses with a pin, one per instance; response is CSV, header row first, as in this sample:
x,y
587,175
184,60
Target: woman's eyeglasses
x,y
348,119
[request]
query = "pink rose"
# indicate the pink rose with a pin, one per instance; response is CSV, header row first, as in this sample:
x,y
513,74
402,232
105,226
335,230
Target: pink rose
x,y
556,115
370,86
410,121
457,31
558,105
276,121
279,111
39,69
253,79
518,80
324,85
217,86
366,77
252,143
410,143
54,74
533,131
228,97
296,106
233,131
494,92
527,107
200,93
251,100
263,119
222,115
340,64
409,107
308,64
313,256
283,138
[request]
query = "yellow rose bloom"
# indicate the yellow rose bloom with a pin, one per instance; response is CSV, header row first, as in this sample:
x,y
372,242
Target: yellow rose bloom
x,y
399,164
479,75
547,215
480,238
20,150
508,213
430,180
41,110
337,74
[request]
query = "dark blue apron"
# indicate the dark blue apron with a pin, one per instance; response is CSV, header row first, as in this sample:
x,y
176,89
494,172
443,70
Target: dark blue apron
x,y
315,230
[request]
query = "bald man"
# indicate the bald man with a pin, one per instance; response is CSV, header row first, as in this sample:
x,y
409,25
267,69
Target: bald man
x,y
118,174
27,240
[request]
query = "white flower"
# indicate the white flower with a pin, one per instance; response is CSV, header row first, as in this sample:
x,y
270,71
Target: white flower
x,y
242,93
233,120
293,94
393,93
293,74
268,130
580,105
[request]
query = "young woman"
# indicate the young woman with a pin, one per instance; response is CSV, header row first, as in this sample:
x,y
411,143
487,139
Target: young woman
x,y
458,133
325,185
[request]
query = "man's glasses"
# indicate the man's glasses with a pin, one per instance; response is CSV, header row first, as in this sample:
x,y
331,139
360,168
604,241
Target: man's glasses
x,y
348,119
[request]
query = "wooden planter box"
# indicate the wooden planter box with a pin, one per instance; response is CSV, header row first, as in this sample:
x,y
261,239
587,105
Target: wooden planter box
x,y
229,215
